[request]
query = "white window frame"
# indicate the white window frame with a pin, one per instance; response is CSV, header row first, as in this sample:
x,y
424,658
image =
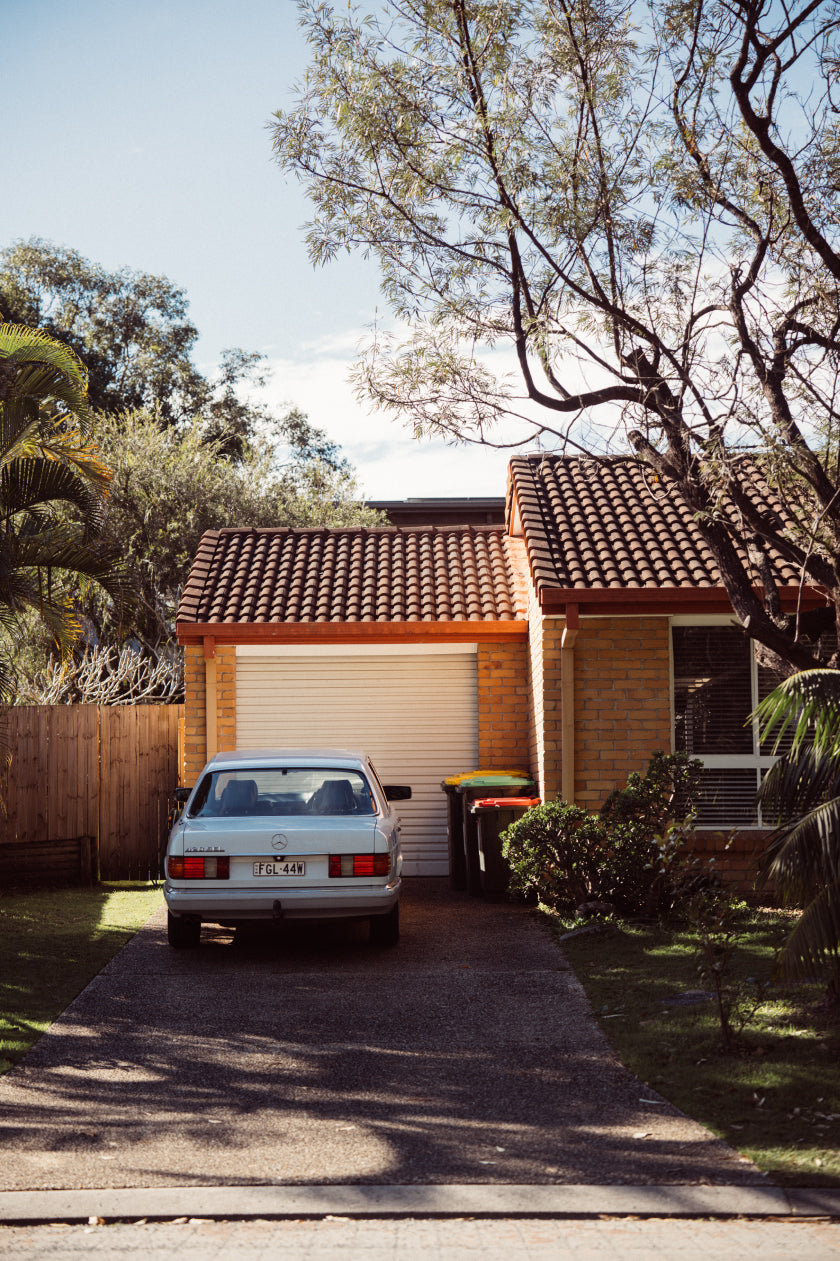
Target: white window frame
x,y
756,761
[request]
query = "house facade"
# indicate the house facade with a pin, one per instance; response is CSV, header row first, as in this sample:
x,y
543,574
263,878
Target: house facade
x,y
586,634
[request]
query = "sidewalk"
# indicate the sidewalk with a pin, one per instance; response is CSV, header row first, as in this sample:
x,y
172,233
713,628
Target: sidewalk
x,y
438,1239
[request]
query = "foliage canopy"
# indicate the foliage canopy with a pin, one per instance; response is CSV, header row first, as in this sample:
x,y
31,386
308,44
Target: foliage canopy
x,y
640,203
132,332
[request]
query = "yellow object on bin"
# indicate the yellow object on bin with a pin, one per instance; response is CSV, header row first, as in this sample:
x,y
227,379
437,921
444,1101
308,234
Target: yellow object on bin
x,y
452,780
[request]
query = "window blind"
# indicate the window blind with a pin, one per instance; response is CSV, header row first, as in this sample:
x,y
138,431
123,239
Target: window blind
x,y
717,685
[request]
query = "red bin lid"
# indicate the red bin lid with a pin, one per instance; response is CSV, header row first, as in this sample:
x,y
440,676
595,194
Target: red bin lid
x,y
505,803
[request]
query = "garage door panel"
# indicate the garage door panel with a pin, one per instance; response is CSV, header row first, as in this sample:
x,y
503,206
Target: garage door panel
x,y
415,715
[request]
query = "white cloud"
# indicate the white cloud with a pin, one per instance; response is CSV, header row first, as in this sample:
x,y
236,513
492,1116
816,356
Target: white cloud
x,y
390,463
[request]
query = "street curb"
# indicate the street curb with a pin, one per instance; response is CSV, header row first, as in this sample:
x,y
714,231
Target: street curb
x,y
464,1200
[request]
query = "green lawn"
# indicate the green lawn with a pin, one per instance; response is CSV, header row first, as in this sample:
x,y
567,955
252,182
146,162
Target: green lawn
x,y
777,1099
52,943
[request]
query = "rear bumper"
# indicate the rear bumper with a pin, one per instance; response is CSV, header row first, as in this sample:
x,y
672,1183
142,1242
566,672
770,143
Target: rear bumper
x,y
223,906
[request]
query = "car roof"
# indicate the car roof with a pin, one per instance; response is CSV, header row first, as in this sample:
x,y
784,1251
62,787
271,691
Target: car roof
x,y
288,757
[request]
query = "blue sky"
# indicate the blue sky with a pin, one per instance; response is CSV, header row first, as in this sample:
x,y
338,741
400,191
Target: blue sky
x,y
136,134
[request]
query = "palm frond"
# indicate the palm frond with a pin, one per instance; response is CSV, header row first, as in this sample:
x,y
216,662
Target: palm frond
x,y
807,703
805,857
48,465
797,784
27,483
34,364
20,419
66,551
44,382
813,944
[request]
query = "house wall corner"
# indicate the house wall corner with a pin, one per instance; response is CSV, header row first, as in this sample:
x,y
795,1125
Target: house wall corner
x,y
195,708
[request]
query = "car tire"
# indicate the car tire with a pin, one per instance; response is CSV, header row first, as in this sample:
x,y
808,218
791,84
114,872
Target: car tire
x,y
385,929
183,933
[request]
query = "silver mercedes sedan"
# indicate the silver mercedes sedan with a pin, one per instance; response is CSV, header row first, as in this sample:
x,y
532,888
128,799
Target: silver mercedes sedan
x,y
274,834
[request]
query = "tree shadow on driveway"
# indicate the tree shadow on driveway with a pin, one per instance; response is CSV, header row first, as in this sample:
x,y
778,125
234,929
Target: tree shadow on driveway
x,y
465,1054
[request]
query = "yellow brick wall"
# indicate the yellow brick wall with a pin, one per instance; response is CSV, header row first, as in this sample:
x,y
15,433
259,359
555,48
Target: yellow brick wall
x,y
736,855
535,691
502,670
195,727
622,702
226,697
545,703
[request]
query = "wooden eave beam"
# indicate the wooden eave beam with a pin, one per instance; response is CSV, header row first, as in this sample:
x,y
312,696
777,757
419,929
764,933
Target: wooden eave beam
x,y
350,632
627,602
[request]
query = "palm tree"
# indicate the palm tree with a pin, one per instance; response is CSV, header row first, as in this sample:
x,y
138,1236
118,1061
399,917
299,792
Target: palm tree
x,y
52,489
802,790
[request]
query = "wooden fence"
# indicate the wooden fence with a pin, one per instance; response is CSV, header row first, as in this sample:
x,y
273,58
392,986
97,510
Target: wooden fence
x,y
93,771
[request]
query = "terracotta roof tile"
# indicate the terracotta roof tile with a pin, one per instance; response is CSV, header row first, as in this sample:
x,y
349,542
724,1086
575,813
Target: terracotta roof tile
x,y
386,574
607,523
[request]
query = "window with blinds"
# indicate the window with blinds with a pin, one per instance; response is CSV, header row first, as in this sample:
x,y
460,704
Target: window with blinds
x,y
717,684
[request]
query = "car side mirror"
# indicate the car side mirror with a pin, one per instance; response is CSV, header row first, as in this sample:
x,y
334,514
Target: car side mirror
x,y
397,792
179,796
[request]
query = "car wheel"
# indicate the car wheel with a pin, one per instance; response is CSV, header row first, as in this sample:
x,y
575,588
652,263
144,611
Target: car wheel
x,y
183,933
385,929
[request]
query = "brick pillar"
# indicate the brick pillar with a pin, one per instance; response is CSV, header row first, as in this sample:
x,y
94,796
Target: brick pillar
x,y
502,670
195,729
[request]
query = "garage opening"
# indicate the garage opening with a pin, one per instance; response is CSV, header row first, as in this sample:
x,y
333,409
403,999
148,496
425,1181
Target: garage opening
x,y
413,709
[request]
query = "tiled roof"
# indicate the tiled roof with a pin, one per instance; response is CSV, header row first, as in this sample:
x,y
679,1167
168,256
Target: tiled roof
x,y
606,523
385,574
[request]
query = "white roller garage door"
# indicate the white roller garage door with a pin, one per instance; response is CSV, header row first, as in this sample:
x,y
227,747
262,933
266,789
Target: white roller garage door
x,y
414,710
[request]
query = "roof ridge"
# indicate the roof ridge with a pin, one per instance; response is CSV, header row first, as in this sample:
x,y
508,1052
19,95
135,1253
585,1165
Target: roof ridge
x,y
463,528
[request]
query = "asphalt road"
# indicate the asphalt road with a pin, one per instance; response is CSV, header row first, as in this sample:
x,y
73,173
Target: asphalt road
x,y
465,1055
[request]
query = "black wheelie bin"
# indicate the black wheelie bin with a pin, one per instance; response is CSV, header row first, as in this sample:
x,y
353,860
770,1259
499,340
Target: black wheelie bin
x,y
492,816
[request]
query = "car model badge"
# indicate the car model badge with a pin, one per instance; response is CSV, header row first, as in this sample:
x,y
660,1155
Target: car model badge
x,y
279,841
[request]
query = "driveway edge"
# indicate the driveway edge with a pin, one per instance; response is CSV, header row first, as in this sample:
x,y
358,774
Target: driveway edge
x,y
464,1200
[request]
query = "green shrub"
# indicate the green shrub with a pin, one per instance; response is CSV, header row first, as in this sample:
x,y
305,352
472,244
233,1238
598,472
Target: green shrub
x,y
568,857
554,850
635,819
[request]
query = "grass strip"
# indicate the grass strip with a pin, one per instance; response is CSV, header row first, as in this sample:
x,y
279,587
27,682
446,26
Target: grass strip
x,y
777,1098
52,943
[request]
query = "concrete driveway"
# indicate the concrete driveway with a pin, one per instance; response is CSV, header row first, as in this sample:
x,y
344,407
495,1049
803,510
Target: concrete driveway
x,y
465,1055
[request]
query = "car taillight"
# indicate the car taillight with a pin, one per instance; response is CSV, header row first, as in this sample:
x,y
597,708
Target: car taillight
x,y
199,867
360,864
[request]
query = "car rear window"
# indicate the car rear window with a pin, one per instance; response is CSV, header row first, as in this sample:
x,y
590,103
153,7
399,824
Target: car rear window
x,y
282,791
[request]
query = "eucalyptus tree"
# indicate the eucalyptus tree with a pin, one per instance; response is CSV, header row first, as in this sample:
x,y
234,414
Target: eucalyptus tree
x,y
132,331
52,490
171,484
640,203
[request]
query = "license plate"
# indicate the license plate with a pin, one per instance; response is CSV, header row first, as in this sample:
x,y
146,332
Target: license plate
x,y
280,869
